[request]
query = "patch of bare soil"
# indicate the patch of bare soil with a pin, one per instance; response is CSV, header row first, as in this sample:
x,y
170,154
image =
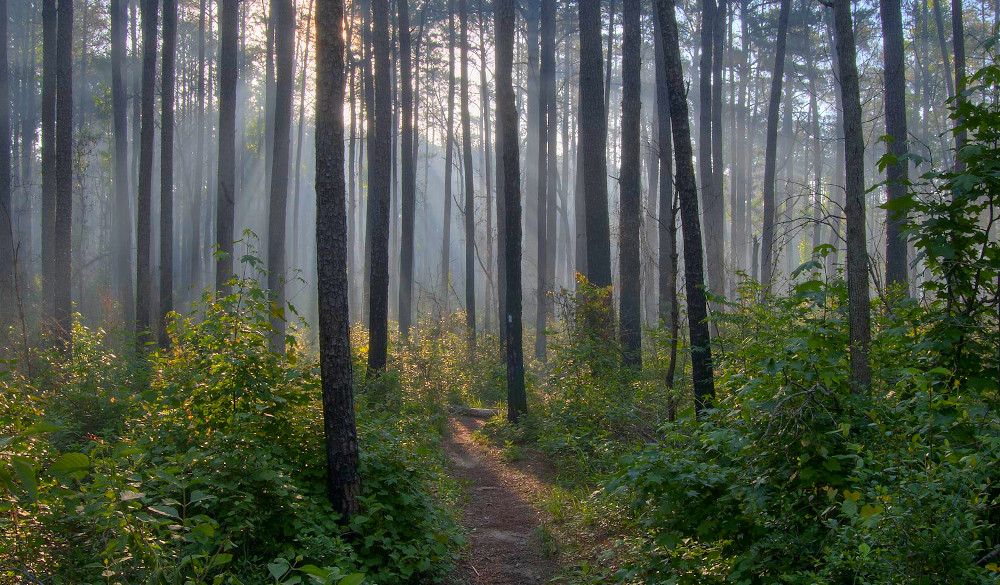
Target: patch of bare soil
x,y
505,544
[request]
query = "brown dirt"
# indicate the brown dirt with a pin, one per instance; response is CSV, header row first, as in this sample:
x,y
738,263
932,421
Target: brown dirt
x,y
505,546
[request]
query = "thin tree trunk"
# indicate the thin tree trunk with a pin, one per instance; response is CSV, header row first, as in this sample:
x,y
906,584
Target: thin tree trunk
x,y
448,167
546,126
143,286
297,244
715,221
62,274
945,58
770,152
195,256
854,154
629,178
379,192
167,170
487,155
895,128
408,174
507,115
342,482
470,194
7,292
701,350
226,196
958,39
48,117
705,172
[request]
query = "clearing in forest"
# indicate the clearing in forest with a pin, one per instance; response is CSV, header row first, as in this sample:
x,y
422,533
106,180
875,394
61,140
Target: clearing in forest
x,y
505,541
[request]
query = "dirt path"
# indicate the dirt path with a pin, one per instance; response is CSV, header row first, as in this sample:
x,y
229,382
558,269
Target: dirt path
x,y
505,547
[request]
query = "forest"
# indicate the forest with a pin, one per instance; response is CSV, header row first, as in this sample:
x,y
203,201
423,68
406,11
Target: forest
x,y
499,292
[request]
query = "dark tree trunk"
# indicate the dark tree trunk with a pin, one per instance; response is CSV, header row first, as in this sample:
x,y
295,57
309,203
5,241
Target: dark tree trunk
x,y
488,179
609,55
226,196
958,39
687,191
143,286
854,210
48,116
771,149
546,127
119,106
630,307
593,146
343,485
470,194
448,167
409,194
705,173
739,235
167,169
381,158
64,174
283,24
517,403
895,128
195,254
715,220
945,57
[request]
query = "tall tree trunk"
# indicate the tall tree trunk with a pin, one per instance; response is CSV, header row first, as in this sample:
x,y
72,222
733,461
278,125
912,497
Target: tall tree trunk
x,y
448,167
958,39
381,159
484,89
739,235
195,254
630,308
517,403
895,128
167,170
48,117
343,485
546,126
7,292
593,144
715,220
226,196
705,173
817,235
470,194
408,174
854,154
143,286
945,58
283,23
62,274
609,55
687,191
771,150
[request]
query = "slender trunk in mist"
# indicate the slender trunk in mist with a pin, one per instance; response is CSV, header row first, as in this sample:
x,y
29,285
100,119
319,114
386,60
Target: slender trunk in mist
x,y
470,194
958,39
195,253
945,57
669,308
379,192
48,118
517,403
269,97
62,275
409,193
567,244
448,167
143,286
484,89
715,220
593,144
705,173
551,177
859,309
895,129
531,12
226,196
501,214
771,150
343,485
546,126
167,169
609,54
7,292
817,235
283,24
629,179
297,168
687,191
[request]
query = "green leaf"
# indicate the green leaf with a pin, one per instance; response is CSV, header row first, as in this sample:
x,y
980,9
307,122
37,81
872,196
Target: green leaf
x,y
221,559
68,463
353,579
850,508
39,428
166,511
25,470
278,569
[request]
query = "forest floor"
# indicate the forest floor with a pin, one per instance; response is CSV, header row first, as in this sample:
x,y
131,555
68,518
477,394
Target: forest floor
x,y
507,544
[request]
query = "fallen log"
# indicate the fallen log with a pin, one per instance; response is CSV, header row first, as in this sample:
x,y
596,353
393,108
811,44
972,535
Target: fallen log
x,y
473,412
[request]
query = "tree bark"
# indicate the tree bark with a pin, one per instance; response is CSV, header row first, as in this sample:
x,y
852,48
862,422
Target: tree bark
x,y
771,149
167,170
195,254
705,172
487,172
48,117
226,196
283,25
895,129
687,191
7,237
379,194
715,220
470,194
517,403
409,192
593,145
958,39
854,155
546,127
448,167
342,482
629,179
64,174
143,286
